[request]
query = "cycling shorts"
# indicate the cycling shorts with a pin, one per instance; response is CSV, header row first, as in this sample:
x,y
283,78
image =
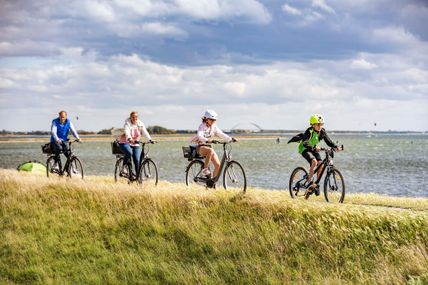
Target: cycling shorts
x,y
310,155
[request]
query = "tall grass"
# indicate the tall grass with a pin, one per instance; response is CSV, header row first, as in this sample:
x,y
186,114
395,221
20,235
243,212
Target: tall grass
x,y
60,231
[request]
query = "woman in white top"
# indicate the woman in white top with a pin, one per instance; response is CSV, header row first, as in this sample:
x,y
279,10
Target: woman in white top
x,y
206,131
129,142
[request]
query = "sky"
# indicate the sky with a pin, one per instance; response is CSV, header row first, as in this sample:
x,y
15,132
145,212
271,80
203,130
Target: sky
x,y
362,64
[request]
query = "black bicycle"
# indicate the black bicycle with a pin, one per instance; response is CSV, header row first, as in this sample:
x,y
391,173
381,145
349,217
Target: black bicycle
x,y
233,172
72,168
334,185
147,170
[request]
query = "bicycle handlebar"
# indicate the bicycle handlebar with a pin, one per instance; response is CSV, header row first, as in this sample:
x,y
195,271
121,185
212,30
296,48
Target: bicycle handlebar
x,y
331,148
220,142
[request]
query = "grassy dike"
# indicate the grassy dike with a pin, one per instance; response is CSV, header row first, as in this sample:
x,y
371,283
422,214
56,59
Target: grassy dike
x,y
57,231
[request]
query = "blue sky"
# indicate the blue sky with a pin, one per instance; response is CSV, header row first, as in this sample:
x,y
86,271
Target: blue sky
x,y
272,63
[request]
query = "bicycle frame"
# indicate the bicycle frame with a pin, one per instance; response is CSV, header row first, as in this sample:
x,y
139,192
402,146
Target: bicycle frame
x,y
143,156
225,158
68,159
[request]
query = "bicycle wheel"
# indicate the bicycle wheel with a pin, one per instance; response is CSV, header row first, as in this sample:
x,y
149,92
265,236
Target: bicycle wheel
x,y
53,168
122,172
234,177
75,168
193,170
148,173
334,187
297,181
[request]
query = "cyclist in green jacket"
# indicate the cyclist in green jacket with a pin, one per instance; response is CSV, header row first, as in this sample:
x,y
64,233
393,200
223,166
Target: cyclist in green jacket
x,y
309,148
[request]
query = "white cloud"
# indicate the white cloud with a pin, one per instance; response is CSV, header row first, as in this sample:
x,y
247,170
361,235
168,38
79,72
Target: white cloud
x,y
291,10
158,28
323,6
251,10
362,64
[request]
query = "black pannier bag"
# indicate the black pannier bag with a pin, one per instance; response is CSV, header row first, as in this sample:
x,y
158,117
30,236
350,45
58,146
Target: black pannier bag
x,y
189,152
115,148
48,148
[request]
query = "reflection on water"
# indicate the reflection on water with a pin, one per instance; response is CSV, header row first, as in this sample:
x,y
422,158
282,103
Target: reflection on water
x,y
386,164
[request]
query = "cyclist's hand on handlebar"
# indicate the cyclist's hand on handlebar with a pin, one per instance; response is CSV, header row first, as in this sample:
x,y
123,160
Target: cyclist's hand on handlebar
x,y
317,148
151,141
234,140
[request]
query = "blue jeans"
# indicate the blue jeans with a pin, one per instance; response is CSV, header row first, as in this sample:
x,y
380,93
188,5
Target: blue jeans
x,y
129,150
61,147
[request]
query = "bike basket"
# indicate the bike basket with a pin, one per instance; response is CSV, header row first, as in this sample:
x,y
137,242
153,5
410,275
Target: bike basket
x,y
48,148
189,152
115,148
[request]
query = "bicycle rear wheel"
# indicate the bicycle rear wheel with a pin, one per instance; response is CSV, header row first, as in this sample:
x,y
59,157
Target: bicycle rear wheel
x,y
75,168
193,170
148,173
122,172
53,169
234,177
297,181
334,187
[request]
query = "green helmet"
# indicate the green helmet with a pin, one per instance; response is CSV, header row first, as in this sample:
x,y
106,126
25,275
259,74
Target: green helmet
x,y
316,119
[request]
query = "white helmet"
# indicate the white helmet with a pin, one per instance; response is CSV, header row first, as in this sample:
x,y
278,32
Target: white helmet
x,y
210,114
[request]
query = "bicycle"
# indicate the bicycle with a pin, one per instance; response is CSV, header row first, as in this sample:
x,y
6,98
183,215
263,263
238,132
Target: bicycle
x,y
233,172
73,166
147,170
334,185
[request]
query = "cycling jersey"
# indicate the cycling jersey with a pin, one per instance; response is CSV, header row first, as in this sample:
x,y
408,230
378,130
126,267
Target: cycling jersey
x,y
311,138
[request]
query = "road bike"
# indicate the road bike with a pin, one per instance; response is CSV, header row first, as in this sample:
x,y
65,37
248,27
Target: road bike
x,y
334,185
233,172
147,173
73,167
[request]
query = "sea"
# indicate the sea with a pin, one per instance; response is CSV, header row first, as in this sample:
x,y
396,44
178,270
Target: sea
x,y
388,164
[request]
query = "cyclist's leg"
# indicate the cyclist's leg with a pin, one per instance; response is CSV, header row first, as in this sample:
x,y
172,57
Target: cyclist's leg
x,y
207,152
136,157
58,149
216,162
310,158
126,149
318,158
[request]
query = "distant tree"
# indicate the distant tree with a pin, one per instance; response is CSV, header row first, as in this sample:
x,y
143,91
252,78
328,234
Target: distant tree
x,y
83,132
105,131
160,130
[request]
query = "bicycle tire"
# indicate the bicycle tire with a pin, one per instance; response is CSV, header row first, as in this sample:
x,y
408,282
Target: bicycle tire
x,y
193,169
334,187
50,170
148,173
75,168
234,176
122,172
295,185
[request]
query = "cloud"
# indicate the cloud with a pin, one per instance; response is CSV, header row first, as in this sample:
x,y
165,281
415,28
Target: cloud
x,y
362,64
291,10
323,6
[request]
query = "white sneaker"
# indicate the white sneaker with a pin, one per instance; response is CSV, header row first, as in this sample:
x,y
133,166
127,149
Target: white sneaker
x,y
74,170
206,172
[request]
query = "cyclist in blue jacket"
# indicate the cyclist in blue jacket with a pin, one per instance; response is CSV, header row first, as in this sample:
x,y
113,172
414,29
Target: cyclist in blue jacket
x,y
60,129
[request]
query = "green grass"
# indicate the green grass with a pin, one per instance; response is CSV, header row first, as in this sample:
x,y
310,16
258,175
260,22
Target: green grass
x,y
57,231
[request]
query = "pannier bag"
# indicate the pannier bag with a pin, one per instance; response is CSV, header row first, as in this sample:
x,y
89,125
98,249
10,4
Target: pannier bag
x,y
48,148
189,152
115,148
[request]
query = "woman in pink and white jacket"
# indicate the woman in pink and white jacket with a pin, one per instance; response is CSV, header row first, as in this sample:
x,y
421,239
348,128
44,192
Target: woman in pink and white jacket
x,y
129,142
206,131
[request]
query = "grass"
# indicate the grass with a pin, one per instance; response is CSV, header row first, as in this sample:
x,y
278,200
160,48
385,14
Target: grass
x,y
60,231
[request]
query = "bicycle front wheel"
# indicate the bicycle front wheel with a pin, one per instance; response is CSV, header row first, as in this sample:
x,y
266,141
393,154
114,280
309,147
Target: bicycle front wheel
x,y
148,173
334,187
297,181
53,169
193,170
75,168
234,177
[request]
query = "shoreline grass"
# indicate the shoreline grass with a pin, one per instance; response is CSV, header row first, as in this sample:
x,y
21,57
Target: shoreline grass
x,y
60,231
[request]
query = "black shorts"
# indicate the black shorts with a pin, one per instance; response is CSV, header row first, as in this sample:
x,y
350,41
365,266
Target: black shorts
x,y
310,155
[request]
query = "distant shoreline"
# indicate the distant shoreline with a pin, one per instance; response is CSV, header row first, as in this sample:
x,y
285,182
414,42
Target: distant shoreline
x,y
186,136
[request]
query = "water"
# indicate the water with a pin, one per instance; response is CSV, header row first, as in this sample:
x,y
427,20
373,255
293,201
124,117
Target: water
x,y
386,164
